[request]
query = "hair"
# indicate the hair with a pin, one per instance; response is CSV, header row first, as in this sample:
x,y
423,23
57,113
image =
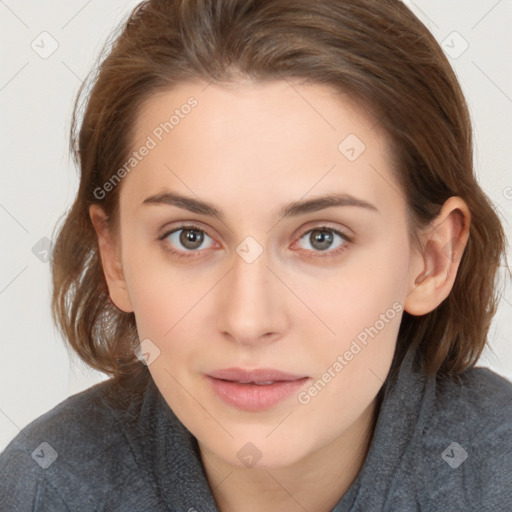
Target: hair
x,y
376,52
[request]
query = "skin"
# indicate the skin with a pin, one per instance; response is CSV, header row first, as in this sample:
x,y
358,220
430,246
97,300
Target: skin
x,y
249,149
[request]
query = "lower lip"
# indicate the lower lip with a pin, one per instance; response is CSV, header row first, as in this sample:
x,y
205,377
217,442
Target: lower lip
x,y
251,397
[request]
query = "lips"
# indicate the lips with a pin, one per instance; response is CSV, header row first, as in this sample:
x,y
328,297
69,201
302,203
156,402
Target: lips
x,y
260,376
255,390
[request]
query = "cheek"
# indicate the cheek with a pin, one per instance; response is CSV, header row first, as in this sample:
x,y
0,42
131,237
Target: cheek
x,y
363,310
368,284
352,367
160,290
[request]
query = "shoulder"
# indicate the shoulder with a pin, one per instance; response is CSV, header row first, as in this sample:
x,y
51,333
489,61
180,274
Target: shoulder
x,y
466,443
85,416
478,401
61,450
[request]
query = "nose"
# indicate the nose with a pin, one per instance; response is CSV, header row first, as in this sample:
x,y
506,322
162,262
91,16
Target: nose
x,y
251,309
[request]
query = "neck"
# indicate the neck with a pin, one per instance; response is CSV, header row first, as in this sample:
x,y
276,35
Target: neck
x,y
316,482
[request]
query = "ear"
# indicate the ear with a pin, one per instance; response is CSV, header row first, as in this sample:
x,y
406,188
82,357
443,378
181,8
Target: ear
x,y
434,266
111,260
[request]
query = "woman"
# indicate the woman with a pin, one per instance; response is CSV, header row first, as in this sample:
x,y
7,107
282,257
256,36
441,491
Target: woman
x,y
280,253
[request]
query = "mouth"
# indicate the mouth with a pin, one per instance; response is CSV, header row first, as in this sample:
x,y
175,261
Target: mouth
x,y
254,390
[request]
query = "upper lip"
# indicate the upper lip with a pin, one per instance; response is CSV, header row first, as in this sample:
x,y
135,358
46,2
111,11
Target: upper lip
x,y
256,375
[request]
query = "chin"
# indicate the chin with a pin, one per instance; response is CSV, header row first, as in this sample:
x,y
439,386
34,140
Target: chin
x,y
263,454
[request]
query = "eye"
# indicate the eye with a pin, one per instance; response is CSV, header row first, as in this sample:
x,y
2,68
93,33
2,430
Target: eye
x,y
185,239
321,239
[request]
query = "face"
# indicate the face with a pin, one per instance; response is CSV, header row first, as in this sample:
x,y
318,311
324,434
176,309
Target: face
x,y
317,292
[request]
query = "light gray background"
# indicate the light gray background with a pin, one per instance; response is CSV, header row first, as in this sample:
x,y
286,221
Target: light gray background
x,y
38,180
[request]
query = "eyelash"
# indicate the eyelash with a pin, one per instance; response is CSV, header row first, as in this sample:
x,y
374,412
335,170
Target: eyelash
x,y
320,254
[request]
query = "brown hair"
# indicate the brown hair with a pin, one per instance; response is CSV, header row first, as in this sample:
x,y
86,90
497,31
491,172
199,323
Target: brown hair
x,y
376,51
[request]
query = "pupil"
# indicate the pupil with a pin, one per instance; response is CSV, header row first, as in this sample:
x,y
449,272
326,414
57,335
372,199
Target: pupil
x,y
191,238
321,239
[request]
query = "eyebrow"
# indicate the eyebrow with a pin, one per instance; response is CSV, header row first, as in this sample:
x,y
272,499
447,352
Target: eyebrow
x,y
291,210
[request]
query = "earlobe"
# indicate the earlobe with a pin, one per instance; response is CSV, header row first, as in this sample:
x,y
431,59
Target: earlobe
x,y
110,260
434,267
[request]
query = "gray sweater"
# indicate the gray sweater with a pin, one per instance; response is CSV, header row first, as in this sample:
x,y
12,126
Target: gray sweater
x,y
439,445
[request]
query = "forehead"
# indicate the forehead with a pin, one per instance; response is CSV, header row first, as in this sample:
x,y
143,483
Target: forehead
x,y
272,141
